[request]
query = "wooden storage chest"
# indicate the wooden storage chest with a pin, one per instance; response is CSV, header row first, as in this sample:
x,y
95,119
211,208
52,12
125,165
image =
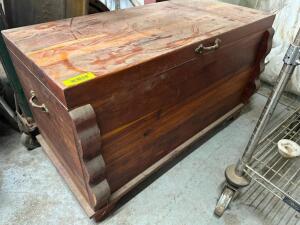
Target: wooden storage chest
x,y
116,95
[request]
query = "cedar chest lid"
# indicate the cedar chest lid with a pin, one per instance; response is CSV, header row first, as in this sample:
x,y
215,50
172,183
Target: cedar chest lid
x,y
67,54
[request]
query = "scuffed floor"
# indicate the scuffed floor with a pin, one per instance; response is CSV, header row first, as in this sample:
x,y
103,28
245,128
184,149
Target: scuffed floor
x,y
32,192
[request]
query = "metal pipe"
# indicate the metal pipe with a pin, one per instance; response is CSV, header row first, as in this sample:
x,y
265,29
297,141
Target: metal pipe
x,y
135,3
117,5
282,80
7,108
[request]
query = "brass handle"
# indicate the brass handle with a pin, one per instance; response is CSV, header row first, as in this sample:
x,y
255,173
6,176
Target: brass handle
x,y
201,48
35,105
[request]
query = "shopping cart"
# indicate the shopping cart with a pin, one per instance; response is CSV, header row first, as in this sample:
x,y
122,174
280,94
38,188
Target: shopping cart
x,y
261,161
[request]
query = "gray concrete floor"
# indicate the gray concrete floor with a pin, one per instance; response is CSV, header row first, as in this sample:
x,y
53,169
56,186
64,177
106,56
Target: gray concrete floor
x,y
185,193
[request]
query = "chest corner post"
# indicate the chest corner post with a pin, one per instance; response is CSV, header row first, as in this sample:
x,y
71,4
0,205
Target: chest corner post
x,y
88,142
263,50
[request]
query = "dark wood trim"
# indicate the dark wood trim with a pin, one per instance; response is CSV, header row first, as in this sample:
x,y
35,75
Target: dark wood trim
x,y
88,141
263,50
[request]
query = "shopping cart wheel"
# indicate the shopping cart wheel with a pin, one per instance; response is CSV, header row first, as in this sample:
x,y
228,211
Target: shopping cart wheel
x,y
29,141
224,201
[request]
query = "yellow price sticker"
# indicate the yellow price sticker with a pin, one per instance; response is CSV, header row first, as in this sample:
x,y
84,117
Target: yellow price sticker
x,y
80,78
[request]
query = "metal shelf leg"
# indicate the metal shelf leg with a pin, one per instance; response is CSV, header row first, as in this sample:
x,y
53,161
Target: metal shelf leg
x,y
235,175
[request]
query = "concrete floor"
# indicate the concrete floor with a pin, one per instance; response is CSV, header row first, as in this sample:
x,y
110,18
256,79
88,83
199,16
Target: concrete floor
x,y
185,193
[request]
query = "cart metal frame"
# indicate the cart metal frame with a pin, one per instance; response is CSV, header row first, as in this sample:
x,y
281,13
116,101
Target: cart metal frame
x,y
250,165
22,114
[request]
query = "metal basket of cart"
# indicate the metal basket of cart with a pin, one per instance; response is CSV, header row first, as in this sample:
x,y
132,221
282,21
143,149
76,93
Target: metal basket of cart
x,y
261,161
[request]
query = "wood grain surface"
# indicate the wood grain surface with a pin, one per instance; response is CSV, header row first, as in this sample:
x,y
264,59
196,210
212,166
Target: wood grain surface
x,y
151,91
111,42
55,126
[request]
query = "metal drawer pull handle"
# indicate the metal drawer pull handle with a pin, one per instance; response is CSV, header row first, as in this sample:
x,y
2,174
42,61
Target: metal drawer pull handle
x,y
201,48
35,105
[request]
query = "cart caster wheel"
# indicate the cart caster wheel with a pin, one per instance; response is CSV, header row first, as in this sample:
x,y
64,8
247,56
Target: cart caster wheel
x,y
29,141
224,201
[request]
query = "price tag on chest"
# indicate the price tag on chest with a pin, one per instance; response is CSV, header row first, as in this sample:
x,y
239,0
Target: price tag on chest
x,y
80,78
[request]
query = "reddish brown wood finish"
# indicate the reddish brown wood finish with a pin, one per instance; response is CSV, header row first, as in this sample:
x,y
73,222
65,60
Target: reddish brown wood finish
x,y
144,36
152,91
